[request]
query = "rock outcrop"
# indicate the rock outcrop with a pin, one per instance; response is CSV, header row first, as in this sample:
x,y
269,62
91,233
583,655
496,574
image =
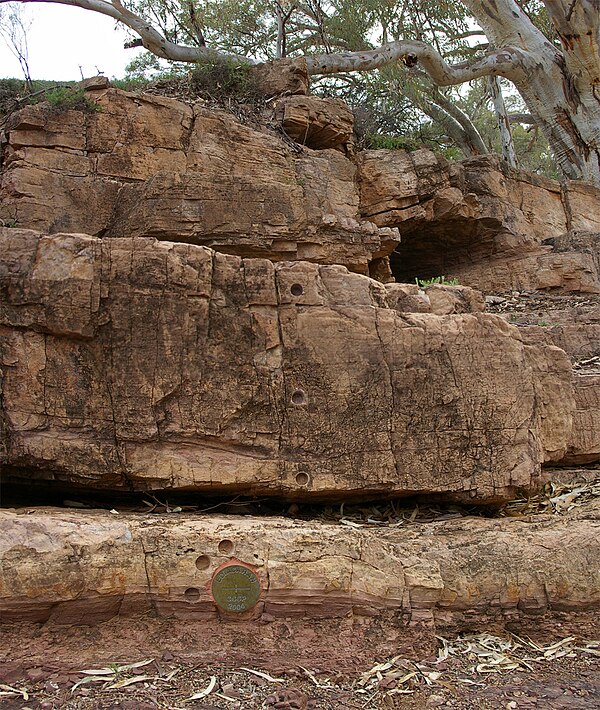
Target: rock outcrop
x,y
316,123
134,364
449,574
185,307
571,323
491,227
145,165
150,166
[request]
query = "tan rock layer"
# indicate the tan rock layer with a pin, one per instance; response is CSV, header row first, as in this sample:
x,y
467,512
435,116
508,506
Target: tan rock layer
x,y
584,444
576,330
135,364
145,165
492,227
316,123
74,568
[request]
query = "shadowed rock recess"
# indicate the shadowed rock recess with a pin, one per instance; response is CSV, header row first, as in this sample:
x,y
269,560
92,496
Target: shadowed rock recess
x,y
185,309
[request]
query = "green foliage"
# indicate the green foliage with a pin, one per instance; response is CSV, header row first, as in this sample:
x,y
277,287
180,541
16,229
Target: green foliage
x,y
377,141
15,94
423,283
69,99
227,79
10,91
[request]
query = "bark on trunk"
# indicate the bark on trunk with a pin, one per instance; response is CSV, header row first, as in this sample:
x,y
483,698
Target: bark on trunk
x,y
560,88
508,147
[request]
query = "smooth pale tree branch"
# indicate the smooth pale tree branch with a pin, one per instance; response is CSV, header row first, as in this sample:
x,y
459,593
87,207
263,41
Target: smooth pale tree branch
x,y
503,62
152,40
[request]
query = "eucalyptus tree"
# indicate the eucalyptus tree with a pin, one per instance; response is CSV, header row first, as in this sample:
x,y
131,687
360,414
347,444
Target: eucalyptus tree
x,y
556,68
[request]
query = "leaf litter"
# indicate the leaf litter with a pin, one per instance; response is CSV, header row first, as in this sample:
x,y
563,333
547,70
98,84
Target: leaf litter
x,y
469,660
485,653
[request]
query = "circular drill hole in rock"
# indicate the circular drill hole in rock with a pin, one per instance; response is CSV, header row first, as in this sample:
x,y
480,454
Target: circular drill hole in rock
x,y
192,594
203,562
298,397
225,547
302,479
297,289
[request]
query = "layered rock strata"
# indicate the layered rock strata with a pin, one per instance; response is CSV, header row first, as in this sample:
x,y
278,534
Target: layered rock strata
x,y
132,364
74,568
145,165
572,324
491,227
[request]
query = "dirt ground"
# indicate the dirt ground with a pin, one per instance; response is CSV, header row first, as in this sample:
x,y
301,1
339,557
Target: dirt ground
x,y
146,664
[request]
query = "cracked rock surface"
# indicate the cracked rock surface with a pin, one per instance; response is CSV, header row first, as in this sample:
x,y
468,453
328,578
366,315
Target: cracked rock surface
x,y
70,567
134,364
147,165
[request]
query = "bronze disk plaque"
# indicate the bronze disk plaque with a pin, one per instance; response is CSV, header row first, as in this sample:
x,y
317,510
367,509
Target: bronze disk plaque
x,y
235,587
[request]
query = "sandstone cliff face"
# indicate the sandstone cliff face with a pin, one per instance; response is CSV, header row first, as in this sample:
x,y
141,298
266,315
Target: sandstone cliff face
x,y
152,166
136,364
491,227
146,344
146,165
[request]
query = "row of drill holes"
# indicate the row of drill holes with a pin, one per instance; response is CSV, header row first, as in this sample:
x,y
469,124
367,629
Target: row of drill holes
x,y
225,547
298,397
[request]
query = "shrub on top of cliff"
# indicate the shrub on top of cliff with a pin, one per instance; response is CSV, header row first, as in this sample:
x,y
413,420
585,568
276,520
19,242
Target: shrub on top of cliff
x,y
15,93
226,80
376,141
66,99
10,92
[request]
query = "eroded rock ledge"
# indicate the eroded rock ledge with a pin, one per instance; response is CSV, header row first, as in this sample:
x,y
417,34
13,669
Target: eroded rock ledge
x,y
132,364
146,165
151,166
70,567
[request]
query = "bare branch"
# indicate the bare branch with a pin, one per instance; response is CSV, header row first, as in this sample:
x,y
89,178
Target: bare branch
x,y
152,40
503,62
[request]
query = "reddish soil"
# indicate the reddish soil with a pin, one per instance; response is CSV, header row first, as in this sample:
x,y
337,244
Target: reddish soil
x,y
45,663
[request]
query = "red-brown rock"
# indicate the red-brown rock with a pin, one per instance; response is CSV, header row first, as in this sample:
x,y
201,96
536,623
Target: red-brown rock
x,y
493,228
70,567
137,364
145,165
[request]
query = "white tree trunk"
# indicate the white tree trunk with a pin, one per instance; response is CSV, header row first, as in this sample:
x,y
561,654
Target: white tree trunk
x,y
508,147
561,88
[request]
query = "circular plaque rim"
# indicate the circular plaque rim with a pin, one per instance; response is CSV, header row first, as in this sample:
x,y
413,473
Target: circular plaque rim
x,y
249,597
